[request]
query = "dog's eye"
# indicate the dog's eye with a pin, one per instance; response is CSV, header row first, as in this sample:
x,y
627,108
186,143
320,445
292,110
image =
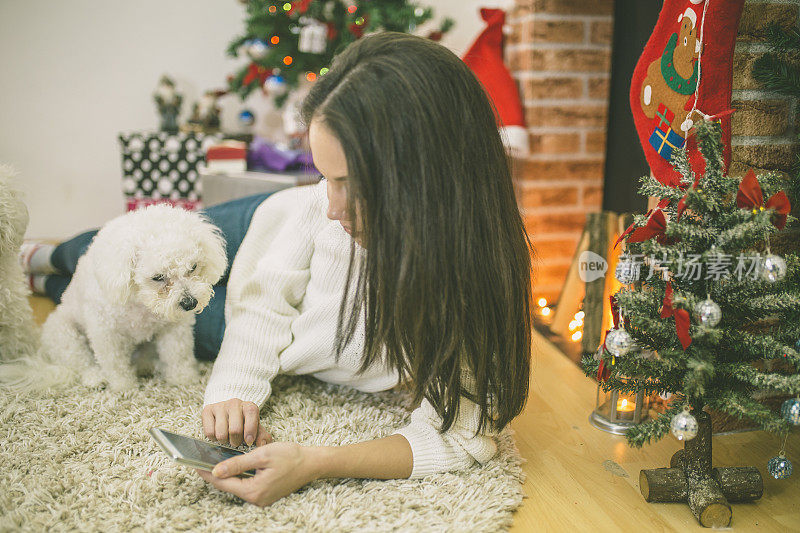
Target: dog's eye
x,y
194,267
158,277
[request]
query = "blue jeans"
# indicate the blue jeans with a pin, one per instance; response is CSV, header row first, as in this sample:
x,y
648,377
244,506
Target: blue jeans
x,y
232,218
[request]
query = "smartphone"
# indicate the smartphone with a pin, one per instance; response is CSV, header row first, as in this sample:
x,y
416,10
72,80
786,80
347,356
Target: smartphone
x,y
194,452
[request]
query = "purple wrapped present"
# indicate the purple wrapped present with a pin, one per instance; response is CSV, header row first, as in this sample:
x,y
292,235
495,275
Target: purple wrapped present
x,y
264,156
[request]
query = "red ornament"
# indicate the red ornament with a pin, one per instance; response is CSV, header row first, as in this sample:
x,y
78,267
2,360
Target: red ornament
x,y
435,36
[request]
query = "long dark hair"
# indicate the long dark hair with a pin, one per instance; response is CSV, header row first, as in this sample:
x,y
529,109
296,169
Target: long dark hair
x,y
446,283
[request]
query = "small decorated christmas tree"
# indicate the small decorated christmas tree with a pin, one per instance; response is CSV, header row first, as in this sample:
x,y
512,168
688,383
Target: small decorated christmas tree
x,y
289,41
708,315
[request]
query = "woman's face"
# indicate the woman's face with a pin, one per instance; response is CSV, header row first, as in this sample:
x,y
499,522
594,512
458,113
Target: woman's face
x,y
330,160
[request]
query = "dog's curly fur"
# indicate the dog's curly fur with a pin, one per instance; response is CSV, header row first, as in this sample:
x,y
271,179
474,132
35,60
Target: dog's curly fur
x,y
19,335
136,289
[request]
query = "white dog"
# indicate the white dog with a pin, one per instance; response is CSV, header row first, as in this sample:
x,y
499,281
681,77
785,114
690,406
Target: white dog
x,y
19,335
141,282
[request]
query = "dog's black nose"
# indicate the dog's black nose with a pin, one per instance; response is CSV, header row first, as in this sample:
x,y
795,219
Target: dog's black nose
x,y
188,303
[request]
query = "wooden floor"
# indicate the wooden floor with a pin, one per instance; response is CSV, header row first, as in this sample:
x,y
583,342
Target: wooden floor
x,y
582,479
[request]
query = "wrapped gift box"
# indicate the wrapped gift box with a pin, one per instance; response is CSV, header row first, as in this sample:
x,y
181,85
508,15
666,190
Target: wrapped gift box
x,y
159,167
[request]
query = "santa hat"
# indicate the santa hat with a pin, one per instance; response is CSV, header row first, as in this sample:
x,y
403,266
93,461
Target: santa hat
x,y
485,59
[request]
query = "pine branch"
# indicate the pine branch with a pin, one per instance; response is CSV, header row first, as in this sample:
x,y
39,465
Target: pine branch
x,y
680,162
654,429
657,333
698,375
743,346
738,290
789,384
700,237
764,306
783,38
652,187
741,406
747,234
709,140
777,75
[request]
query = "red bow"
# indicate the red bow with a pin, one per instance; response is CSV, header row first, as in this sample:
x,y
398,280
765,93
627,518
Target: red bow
x,y
682,319
661,205
301,6
256,72
603,371
749,196
656,227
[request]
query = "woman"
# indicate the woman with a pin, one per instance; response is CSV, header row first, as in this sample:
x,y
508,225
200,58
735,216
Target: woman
x,y
408,262
434,288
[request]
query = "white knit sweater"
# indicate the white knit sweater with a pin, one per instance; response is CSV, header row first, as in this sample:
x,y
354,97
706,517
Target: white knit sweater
x,y
282,304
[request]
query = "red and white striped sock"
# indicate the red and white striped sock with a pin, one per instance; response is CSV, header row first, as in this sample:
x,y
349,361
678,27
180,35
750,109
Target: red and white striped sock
x,y
34,258
36,283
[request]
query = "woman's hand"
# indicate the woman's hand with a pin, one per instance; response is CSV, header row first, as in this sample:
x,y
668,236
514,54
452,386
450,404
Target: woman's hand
x,y
281,468
234,421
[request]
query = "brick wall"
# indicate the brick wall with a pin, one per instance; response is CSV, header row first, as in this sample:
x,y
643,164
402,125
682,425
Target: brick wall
x,y
559,52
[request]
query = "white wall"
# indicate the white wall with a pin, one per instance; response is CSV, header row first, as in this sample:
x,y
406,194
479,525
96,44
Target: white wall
x,y
74,73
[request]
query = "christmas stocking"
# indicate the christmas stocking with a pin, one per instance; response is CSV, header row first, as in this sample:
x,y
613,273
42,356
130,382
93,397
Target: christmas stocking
x,y
683,75
485,59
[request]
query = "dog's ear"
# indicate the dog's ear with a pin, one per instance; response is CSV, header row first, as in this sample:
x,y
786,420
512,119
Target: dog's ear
x,y
114,252
212,245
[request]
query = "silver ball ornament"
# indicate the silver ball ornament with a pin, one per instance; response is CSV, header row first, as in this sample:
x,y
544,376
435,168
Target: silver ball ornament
x,y
257,49
275,85
627,270
708,313
790,411
773,268
684,425
619,342
780,467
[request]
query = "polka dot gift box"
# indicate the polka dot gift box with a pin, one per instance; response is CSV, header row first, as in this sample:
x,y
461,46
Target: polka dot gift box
x,y
158,167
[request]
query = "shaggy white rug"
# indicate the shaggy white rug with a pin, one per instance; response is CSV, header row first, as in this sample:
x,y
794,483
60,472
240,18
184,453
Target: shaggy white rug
x,y
82,459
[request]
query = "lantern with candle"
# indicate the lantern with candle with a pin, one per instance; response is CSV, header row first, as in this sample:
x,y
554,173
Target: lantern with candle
x,y
616,411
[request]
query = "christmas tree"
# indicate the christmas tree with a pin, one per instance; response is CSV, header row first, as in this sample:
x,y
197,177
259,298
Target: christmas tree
x,y
709,315
290,41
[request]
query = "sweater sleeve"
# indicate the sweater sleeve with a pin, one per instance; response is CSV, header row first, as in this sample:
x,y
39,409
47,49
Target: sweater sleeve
x,y
267,282
457,448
